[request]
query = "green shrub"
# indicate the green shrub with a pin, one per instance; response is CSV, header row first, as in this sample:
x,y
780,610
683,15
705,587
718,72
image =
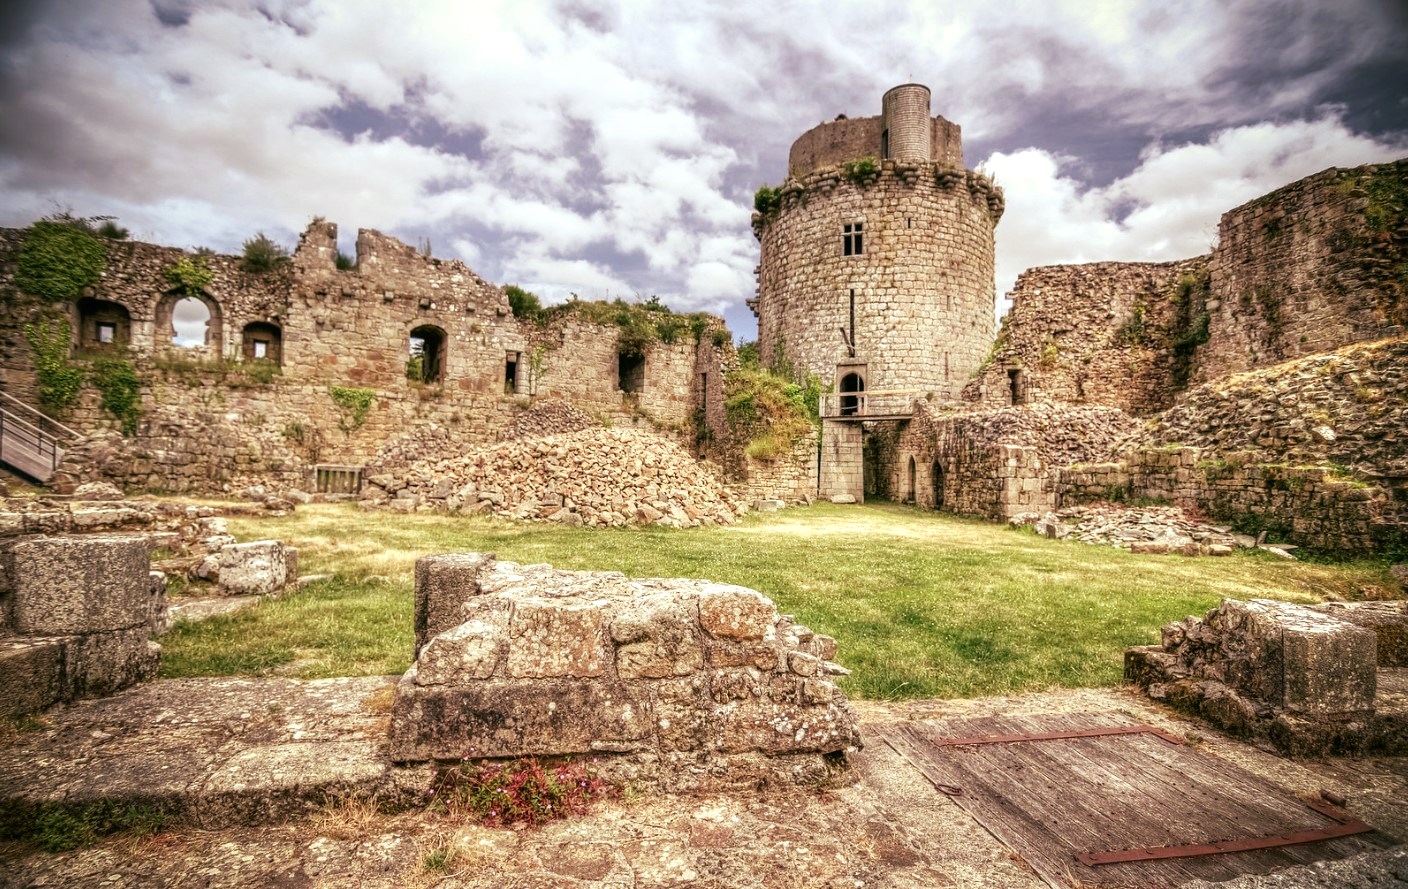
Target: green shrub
x,y
769,412
767,201
190,275
59,381
355,404
59,257
860,170
344,262
525,304
116,379
262,254
641,325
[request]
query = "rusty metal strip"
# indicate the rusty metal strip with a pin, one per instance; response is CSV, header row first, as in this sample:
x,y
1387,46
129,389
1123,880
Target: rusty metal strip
x,y
1349,827
1058,736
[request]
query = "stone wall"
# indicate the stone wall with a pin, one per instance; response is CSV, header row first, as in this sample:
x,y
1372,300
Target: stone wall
x,y
1312,506
212,417
847,139
791,477
681,684
1309,268
1105,333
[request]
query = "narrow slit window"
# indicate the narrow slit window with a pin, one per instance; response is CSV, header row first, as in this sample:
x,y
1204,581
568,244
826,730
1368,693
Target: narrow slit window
x,y
511,373
851,239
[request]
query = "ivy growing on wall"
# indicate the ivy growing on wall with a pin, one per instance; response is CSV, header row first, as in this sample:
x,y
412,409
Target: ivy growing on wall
x,y
116,380
58,259
58,380
355,405
190,275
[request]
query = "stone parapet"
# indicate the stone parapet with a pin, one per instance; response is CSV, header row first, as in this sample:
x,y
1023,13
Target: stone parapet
x,y
692,683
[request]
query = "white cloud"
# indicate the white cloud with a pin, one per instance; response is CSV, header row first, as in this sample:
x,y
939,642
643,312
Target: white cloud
x,y
1171,202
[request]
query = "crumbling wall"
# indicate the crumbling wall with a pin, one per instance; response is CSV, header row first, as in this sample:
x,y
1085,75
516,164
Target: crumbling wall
x,y
682,684
790,477
1308,268
1119,334
1305,679
1313,506
212,418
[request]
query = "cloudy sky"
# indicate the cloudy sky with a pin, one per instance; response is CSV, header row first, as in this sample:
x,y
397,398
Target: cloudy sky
x,y
612,149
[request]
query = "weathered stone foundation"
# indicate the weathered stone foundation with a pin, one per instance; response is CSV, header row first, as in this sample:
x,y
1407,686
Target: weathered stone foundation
x,y
680,684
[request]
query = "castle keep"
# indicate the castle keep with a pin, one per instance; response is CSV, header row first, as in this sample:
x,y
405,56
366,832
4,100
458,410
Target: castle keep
x,y
877,259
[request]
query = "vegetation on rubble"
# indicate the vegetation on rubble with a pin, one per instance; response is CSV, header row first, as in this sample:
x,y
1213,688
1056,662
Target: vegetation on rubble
x,y
1387,201
262,254
641,324
59,381
861,170
60,256
190,275
116,380
521,791
922,604
767,409
355,405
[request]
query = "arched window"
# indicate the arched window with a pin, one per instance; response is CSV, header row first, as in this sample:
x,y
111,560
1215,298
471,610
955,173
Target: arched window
x,y
850,403
103,325
425,360
263,342
909,490
190,322
938,472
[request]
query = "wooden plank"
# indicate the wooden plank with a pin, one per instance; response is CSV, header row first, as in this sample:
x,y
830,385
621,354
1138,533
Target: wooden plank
x,y
1050,800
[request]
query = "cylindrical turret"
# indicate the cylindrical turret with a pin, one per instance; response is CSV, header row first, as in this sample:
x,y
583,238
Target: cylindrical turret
x,y
906,129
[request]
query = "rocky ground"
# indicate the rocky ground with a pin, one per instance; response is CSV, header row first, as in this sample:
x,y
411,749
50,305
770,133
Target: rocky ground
x,y
1149,529
884,826
598,477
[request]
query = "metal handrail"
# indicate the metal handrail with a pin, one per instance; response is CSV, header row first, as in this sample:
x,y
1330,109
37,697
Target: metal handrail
x,y
43,417
28,448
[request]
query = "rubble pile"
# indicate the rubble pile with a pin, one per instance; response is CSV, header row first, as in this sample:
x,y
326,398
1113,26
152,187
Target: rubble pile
x,y
550,417
596,477
429,442
1154,529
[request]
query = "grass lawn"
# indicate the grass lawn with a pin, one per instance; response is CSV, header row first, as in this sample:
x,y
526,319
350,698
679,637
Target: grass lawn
x,y
922,604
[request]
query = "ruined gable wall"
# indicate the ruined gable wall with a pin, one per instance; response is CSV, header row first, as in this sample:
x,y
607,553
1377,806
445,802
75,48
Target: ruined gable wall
x,y
923,285
208,421
837,141
1108,333
1309,267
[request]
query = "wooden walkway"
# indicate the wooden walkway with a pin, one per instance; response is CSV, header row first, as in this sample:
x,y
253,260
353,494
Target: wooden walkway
x,y
1052,801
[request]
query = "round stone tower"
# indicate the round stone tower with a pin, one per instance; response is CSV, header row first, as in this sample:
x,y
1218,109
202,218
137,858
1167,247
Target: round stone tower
x,y
877,254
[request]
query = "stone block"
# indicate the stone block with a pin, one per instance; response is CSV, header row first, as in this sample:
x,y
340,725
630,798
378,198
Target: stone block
x,y
657,638
103,663
1387,620
507,718
472,650
734,612
253,569
549,639
443,583
72,585
31,674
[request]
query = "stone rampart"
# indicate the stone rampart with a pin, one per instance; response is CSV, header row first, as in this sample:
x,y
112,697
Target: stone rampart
x,y
683,684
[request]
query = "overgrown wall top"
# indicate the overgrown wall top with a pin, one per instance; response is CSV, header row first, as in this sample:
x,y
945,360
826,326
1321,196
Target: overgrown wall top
x,y
1309,267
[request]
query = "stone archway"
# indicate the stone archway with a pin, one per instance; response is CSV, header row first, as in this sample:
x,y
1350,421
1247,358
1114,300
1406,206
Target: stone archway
x,y
937,472
852,384
192,322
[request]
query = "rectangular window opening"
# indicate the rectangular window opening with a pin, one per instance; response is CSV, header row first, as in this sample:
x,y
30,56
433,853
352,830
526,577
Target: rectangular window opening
x,y
511,373
261,348
107,333
851,234
630,372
